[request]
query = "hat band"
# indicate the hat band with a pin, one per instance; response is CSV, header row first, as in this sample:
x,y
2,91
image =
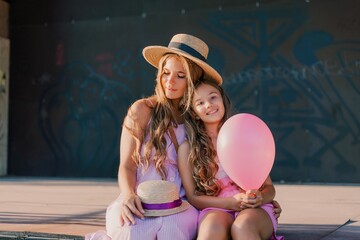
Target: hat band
x,y
162,206
188,49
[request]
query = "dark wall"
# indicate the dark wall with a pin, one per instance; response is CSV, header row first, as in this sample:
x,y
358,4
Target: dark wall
x,y
76,66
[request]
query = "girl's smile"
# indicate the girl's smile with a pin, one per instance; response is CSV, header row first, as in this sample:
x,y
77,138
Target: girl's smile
x,y
208,104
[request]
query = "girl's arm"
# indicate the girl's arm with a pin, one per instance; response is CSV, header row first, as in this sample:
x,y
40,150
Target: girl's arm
x,y
134,123
200,201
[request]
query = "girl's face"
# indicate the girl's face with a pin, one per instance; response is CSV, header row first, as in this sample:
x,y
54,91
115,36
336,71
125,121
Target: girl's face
x,y
208,104
173,79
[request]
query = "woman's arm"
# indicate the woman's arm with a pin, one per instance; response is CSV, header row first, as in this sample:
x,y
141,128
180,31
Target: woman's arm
x,y
134,124
200,201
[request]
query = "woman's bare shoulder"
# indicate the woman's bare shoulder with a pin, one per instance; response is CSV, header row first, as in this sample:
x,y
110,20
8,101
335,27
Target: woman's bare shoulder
x,y
144,103
140,110
139,106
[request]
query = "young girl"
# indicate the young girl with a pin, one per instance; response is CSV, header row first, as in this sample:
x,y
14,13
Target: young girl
x,y
226,210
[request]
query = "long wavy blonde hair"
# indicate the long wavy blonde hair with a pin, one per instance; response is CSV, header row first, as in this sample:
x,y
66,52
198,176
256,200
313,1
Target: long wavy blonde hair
x,y
202,152
162,116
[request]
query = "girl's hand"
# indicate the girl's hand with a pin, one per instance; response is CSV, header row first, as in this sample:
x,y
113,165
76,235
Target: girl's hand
x,y
131,206
251,199
277,209
237,206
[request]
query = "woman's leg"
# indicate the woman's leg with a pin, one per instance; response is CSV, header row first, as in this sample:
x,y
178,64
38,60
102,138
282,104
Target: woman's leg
x,y
215,224
179,226
143,229
252,224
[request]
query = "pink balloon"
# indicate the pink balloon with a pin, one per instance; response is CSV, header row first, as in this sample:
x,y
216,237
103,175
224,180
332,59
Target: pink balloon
x,y
246,150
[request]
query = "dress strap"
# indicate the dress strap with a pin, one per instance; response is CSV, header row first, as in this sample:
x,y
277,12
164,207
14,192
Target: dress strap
x,y
173,138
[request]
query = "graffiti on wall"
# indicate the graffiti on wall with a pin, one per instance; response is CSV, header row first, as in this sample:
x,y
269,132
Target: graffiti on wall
x,y
307,94
303,81
82,113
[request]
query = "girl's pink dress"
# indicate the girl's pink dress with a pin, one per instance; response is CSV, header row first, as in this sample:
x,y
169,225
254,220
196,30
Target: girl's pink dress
x,y
229,189
180,226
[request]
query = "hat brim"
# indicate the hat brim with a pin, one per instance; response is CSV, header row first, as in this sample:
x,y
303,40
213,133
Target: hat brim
x,y
153,54
158,213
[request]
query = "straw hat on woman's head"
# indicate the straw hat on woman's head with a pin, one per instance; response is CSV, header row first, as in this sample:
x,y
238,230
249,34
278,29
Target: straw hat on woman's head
x,y
160,198
185,45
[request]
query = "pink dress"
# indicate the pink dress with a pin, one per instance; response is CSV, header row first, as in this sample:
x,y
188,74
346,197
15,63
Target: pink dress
x,y
180,226
230,189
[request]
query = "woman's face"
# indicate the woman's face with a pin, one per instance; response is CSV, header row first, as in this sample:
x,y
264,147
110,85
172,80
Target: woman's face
x,y
173,79
208,104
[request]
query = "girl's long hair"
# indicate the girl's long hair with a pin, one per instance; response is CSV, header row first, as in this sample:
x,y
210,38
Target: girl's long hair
x,y
202,152
162,117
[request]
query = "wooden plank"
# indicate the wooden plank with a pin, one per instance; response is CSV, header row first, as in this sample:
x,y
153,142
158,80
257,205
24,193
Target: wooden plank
x,y
4,102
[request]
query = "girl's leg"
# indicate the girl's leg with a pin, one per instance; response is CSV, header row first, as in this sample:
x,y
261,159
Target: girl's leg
x,y
252,224
215,225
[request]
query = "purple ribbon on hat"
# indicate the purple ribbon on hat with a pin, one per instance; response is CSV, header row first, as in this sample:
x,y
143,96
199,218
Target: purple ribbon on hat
x,y
162,206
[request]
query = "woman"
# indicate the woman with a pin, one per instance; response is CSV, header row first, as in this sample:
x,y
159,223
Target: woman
x,y
226,211
147,150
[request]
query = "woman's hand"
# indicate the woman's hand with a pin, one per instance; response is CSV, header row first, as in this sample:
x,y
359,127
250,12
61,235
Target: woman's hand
x,y
251,199
131,206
